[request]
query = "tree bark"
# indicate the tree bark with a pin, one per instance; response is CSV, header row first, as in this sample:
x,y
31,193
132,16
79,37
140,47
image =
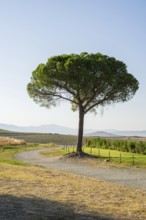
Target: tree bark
x,y
80,130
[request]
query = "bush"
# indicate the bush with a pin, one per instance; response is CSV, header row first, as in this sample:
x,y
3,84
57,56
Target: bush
x,y
120,145
5,141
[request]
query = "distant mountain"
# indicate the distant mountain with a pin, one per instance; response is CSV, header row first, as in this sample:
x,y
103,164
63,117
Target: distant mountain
x,y
116,133
51,128
101,134
141,133
4,131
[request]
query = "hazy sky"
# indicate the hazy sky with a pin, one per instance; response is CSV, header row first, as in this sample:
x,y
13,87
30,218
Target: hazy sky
x,y
33,30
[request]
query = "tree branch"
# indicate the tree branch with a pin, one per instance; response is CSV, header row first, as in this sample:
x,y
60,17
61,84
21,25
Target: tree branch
x,y
65,98
95,104
46,93
96,92
108,96
65,87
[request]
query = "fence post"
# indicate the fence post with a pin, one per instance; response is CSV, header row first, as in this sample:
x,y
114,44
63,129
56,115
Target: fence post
x,y
133,159
91,150
109,155
98,152
120,158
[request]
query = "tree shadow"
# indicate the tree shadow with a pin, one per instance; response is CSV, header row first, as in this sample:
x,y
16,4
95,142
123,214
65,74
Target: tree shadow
x,y
79,155
26,208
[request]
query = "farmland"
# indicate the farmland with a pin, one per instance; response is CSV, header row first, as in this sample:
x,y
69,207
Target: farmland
x,y
41,138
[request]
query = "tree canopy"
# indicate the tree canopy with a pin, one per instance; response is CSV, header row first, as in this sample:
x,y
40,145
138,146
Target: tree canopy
x,y
87,81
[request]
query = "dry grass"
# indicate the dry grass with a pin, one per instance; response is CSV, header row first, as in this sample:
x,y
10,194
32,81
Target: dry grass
x,y
10,141
39,194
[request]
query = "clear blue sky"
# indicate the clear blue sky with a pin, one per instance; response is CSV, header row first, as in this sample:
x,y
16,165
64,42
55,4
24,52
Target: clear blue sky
x,y
33,30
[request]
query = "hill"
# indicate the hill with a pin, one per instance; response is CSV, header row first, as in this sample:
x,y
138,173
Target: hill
x,y
50,128
2,131
53,129
100,134
140,133
42,138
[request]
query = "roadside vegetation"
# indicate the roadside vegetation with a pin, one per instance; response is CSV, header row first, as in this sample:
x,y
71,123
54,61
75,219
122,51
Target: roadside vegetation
x,y
95,147
103,156
127,145
10,146
11,141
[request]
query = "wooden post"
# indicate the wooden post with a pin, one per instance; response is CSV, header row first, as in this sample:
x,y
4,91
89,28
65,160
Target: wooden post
x,y
120,158
91,150
98,152
133,159
109,155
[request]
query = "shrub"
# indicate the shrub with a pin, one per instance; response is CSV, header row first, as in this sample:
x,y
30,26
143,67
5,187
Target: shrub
x,y
6,141
121,145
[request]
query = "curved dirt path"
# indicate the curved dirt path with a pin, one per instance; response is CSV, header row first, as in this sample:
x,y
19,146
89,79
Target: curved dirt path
x,y
133,177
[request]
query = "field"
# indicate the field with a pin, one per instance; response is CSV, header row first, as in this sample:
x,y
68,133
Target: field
x,y
35,193
41,137
118,157
44,138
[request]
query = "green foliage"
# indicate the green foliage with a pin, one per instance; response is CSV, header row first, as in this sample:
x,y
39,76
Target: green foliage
x,y
116,157
9,147
138,147
85,79
7,153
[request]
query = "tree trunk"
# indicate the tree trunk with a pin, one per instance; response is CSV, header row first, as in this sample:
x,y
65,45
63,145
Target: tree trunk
x,y
80,130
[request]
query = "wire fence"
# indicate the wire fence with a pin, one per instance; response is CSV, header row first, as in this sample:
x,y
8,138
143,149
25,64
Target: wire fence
x,y
108,156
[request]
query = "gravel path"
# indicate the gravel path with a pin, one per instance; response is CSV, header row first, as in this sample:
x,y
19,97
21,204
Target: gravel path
x,y
133,177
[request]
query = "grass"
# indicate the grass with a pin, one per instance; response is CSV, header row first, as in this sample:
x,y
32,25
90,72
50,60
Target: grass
x,y
11,141
113,157
42,138
117,157
7,152
5,131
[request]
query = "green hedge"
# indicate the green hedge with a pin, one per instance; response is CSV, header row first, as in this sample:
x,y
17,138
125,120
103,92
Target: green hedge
x,y
120,145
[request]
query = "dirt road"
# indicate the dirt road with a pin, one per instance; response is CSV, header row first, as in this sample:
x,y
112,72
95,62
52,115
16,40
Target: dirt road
x,y
133,177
